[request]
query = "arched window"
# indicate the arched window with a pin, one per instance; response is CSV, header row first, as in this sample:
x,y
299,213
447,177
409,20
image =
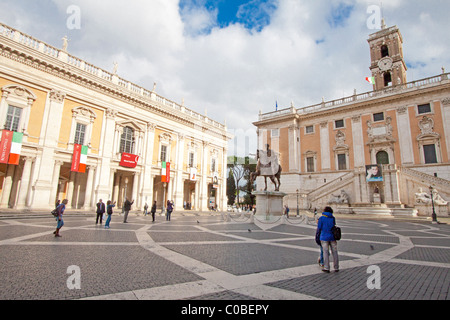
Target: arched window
x,y
384,51
387,79
127,140
382,157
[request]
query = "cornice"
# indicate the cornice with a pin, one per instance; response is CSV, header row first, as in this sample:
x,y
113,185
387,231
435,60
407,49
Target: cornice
x,y
52,65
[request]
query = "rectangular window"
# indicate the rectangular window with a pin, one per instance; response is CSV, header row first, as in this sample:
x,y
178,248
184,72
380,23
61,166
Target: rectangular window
x,y
342,162
213,165
310,164
163,153
309,129
80,132
13,118
191,160
127,140
339,123
378,116
275,133
424,108
429,151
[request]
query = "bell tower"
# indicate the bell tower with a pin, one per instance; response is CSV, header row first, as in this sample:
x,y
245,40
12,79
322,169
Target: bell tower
x,y
387,65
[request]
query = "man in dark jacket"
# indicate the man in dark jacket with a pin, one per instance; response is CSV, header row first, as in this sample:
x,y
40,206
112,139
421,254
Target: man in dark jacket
x,y
324,225
126,208
100,211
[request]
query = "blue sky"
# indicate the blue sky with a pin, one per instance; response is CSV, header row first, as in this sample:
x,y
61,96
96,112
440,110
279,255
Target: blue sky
x,y
254,15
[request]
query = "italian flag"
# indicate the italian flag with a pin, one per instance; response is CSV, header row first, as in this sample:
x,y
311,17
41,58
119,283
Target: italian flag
x,y
371,80
16,148
165,172
79,158
10,147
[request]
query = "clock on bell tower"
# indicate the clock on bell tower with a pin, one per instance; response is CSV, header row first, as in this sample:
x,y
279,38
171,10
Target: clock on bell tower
x,y
388,66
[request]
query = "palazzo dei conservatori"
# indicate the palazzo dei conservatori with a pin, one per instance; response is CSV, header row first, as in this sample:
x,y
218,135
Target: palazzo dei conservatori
x,y
71,130
384,152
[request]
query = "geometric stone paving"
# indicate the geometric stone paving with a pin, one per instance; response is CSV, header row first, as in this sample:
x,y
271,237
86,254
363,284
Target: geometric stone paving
x,y
202,257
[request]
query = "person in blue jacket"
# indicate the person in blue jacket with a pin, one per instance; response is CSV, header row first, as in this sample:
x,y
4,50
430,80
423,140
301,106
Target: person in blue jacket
x,y
325,235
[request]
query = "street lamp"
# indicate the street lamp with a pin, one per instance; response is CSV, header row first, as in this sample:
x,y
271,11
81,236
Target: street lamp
x,y
433,215
297,205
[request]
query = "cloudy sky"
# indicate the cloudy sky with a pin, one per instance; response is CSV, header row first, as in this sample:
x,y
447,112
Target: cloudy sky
x,y
233,58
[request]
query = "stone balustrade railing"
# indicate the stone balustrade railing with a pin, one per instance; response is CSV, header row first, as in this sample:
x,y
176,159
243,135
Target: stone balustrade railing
x,y
81,65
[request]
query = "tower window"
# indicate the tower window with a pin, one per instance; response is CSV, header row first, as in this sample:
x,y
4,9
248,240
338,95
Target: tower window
x,y
387,79
384,51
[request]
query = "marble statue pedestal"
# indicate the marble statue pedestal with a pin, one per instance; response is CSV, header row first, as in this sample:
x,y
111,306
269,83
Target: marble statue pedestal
x,y
269,205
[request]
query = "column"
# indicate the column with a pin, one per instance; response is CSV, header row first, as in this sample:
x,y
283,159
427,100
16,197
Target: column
x,y
325,146
55,182
358,142
50,137
134,192
88,192
204,181
147,183
7,186
178,196
103,172
224,180
70,188
24,188
293,159
404,136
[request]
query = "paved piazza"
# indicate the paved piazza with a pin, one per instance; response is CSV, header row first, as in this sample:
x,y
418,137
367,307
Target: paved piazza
x,y
202,257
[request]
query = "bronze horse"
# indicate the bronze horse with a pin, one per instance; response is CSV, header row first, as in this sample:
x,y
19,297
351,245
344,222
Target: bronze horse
x,y
272,177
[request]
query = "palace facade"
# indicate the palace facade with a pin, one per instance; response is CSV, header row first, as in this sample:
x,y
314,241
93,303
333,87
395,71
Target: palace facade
x,y
83,133
401,127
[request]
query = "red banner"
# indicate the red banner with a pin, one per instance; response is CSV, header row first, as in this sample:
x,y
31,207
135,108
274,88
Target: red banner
x,y
76,158
5,145
129,160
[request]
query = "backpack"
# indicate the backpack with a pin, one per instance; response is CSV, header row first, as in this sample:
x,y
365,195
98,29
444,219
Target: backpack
x,y
54,212
336,231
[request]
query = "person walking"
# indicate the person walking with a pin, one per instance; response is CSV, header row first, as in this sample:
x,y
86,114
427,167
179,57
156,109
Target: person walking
x,y
153,211
324,225
169,209
100,211
286,211
59,218
145,209
109,211
126,209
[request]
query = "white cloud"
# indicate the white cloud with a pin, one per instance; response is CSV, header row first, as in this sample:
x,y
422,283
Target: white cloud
x,y
232,72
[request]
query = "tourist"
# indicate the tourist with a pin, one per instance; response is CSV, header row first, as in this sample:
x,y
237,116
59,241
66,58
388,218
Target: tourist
x,y
324,225
126,209
145,209
153,211
109,211
169,209
100,211
59,217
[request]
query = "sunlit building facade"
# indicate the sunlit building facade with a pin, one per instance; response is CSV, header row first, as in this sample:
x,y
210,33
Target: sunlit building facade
x,y
401,127
86,134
